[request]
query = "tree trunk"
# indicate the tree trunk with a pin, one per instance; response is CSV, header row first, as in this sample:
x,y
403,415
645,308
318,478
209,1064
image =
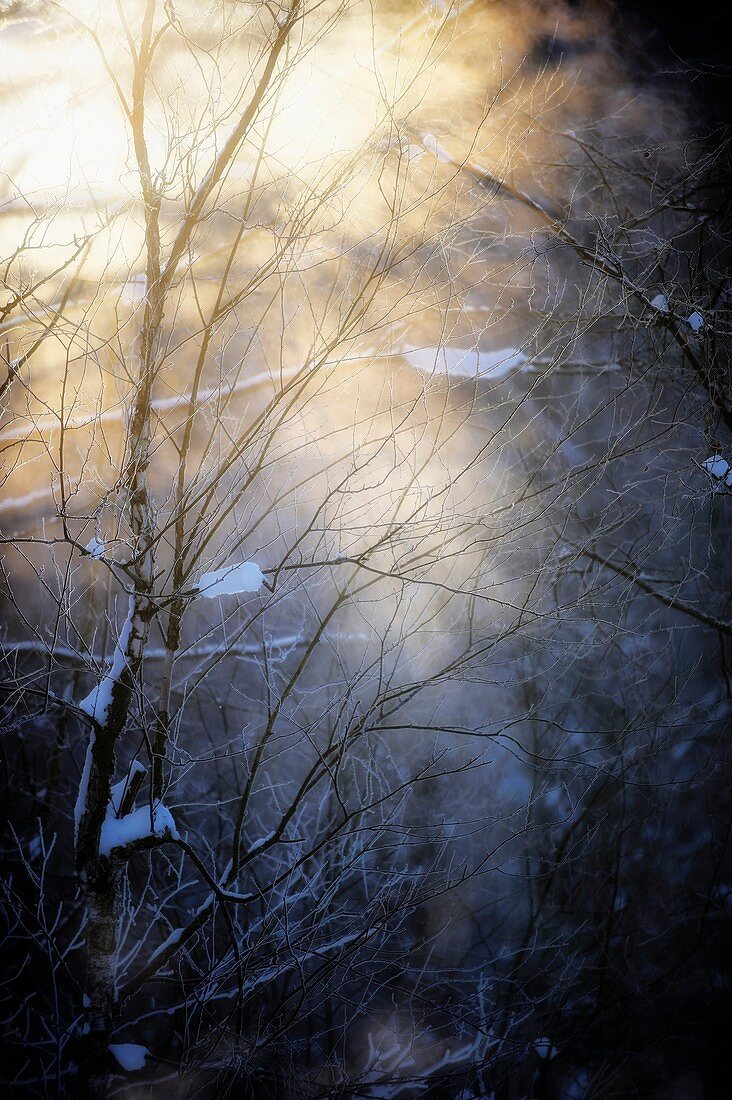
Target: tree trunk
x,y
102,913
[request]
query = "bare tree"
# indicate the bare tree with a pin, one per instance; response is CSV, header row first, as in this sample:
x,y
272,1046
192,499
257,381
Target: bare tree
x,y
351,436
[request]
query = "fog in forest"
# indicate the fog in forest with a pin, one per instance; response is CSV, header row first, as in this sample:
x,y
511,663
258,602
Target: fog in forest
x,y
365,497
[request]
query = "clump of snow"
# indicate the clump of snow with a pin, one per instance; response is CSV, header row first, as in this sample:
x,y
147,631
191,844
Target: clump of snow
x,y
695,321
131,1056
231,580
716,466
660,302
545,1049
97,703
468,363
117,832
720,472
95,548
137,825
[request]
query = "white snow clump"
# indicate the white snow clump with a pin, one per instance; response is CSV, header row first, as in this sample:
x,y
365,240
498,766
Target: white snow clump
x,y
119,831
131,1056
456,362
231,580
545,1049
718,469
95,548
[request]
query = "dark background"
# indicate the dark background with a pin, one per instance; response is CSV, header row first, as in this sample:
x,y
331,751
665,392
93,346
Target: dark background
x,y
689,40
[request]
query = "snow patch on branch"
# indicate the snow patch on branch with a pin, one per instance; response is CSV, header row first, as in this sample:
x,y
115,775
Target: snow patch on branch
x,y
469,363
141,824
119,789
97,703
719,471
716,466
175,937
83,785
95,548
231,580
545,1048
431,143
131,1056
